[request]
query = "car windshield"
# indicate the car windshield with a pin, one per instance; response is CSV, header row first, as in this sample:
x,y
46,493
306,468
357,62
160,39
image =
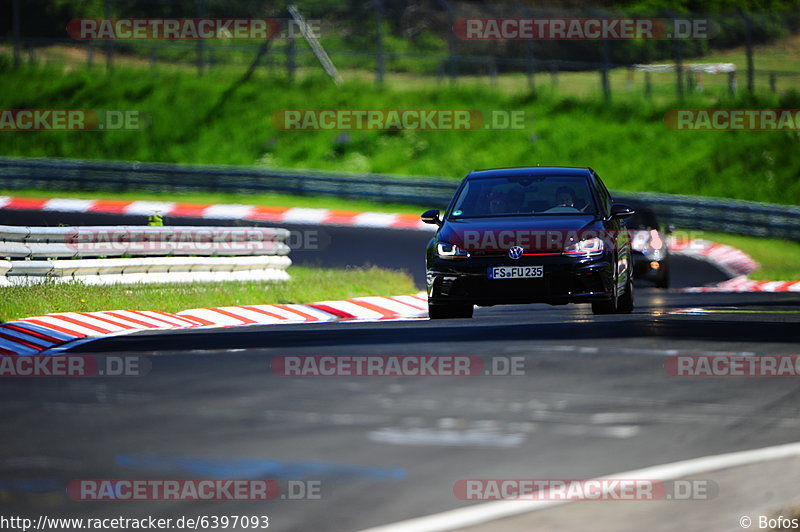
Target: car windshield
x,y
524,196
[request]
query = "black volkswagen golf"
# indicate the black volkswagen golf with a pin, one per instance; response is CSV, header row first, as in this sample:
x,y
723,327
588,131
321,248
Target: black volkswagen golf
x,y
529,235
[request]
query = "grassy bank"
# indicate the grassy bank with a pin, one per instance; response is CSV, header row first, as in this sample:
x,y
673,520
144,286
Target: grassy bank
x,y
194,120
307,285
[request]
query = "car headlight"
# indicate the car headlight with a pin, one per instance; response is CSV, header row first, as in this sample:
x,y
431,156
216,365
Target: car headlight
x,y
654,248
590,246
653,254
450,251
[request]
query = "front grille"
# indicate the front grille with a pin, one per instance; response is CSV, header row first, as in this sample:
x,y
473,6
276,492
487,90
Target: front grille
x,y
553,284
505,288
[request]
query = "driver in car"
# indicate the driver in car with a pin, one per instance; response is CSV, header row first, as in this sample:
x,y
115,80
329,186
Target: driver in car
x,y
565,197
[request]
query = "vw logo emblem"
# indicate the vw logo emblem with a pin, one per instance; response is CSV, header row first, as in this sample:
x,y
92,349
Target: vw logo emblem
x,y
515,252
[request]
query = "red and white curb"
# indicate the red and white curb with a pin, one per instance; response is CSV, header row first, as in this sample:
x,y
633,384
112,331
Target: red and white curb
x,y
222,211
53,332
743,284
734,262
729,259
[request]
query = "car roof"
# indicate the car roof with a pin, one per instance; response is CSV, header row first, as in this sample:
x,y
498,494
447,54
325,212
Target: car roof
x,y
532,171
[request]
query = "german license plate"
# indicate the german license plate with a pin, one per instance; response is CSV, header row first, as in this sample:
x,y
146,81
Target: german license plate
x,y
516,272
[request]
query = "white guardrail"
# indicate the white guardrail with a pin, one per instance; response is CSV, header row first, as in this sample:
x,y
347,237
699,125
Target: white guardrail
x,y
136,254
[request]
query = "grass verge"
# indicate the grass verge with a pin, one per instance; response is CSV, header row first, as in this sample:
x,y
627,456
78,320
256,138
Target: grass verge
x,y
200,120
306,286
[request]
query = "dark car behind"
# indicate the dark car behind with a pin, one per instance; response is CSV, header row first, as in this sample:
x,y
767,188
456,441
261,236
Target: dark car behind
x,y
650,247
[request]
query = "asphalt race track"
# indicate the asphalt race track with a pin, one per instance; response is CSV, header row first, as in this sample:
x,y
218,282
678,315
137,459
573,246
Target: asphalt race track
x,y
593,399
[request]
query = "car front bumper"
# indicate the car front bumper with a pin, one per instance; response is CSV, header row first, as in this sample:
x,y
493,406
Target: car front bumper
x,y
566,280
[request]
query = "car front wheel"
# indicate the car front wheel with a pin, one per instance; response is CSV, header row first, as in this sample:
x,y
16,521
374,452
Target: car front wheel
x,y
622,304
625,302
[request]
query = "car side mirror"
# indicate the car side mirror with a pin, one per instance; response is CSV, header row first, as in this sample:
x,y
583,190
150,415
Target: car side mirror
x,y
620,210
431,217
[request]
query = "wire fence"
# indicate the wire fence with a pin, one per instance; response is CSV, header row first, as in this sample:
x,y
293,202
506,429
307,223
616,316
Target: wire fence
x,y
687,212
390,41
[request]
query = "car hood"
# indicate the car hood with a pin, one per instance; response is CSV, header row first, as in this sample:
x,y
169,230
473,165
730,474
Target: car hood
x,y
534,233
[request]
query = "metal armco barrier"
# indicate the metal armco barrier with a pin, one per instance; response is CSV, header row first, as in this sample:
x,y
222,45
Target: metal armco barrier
x,y
68,174
128,255
687,212
737,217
116,241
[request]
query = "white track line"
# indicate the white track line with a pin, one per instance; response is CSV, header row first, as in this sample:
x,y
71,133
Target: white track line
x,y
482,513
